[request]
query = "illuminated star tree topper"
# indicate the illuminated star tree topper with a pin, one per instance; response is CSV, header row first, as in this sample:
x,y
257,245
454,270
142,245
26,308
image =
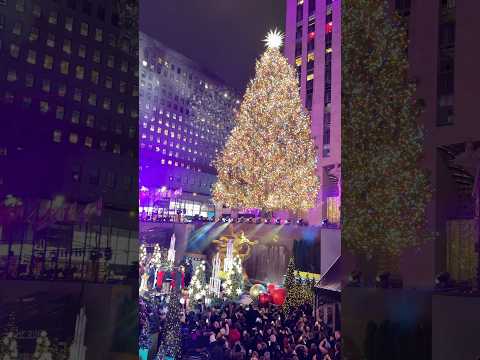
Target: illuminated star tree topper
x,y
274,39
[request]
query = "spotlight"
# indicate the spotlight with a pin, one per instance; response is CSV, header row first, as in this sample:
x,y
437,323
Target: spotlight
x,y
266,221
287,222
258,221
277,221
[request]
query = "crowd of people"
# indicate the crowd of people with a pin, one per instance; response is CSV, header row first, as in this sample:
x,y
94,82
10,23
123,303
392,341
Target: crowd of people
x,y
239,332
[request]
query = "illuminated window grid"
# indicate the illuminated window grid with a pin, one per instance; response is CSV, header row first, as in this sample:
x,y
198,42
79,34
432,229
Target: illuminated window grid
x,y
333,210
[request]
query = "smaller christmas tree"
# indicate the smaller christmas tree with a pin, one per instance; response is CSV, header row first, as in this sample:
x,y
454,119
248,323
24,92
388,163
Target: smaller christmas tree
x,y
42,349
198,286
145,342
171,345
233,286
298,294
8,347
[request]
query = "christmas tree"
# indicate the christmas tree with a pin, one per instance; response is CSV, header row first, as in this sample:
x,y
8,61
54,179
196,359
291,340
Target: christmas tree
x,y
269,160
171,345
383,209
233,286
198,285
8,347
298,294
42,348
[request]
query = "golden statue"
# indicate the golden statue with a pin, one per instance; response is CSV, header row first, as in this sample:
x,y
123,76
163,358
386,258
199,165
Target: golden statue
x,y
242,246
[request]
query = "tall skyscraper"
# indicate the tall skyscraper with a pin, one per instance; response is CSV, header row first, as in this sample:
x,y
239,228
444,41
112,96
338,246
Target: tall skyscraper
x,y
313,46
68,144
186,115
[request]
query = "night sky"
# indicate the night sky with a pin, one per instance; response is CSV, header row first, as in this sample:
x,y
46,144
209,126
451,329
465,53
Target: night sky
x,y
225,36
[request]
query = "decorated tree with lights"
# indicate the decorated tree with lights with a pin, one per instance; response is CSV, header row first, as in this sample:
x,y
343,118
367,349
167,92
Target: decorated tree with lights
x,y
198,285
298,294
171,344
8,347
269,160
42,348
383,208
233,285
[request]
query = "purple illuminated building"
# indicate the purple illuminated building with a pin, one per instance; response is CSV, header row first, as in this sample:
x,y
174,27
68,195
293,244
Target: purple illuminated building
x,y
313,46
186,115
68,138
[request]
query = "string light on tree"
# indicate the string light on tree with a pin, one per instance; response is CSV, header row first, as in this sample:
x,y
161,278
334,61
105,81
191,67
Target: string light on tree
x,y
233,285
198,287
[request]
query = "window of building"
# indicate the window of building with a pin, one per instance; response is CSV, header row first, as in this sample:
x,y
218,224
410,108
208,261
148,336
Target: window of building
x,y
67,46
36,10
33,34
51,40
94,76
112,40
53,17
103,145
88,141
82,51
300,12
57,136
123,87
48,62
64,67
92,99
73,138
84,29
69,23
76,173
121,108
79,72
60,112
311,7
124,66
116,149
75,117
90,121
62,89
17,28
107,103
110,61
46,85
20,5
14,51
97,56
43,107
72,4
29,80
12,75
32,57
77,95
98,35
108,82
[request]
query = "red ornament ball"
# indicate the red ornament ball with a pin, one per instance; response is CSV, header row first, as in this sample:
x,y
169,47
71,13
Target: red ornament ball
x,y
278,296
271,287
264,299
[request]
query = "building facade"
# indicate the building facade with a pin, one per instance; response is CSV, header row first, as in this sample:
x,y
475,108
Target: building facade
x,y
186,115
313,46
443,58
69,109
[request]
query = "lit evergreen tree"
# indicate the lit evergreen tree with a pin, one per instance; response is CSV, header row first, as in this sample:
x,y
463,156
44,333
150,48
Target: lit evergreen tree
x,y
198,285
233,285
171,345
42,348
383,209
8,347
269,161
